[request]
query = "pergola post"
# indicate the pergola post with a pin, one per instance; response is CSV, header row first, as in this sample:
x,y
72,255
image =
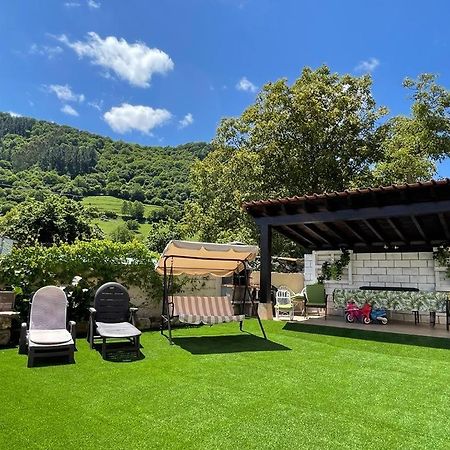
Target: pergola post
x,y
265,281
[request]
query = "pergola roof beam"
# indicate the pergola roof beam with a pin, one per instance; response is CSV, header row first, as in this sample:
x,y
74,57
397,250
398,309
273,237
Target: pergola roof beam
x,y
397,229
419,228
289,232
315,235
382,212
444,226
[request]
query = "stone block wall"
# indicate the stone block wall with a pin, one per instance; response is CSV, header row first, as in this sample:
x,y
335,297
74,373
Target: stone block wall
x,y
394,269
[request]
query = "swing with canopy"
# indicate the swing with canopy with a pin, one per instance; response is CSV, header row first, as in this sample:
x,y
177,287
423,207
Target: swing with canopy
x,y
199,259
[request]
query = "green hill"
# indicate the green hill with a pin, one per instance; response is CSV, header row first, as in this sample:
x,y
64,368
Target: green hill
x,y
105,203
38,157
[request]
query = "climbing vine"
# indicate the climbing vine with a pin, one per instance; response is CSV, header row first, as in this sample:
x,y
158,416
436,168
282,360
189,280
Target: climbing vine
x,y
442,256
334,270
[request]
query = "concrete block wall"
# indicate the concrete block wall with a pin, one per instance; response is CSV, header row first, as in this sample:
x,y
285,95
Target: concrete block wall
x,y
415,269
409,269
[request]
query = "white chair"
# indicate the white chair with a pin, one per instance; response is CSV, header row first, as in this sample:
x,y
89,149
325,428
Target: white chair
x,y
284,307
46,334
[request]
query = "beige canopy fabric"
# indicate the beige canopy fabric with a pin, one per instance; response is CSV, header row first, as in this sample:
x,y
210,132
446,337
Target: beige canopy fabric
x,y
204,258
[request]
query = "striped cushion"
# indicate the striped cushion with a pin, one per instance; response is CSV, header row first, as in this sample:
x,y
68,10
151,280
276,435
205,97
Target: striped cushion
x,y
207,310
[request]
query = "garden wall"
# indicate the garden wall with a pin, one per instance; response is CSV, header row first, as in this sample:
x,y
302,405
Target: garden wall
x,y
293,281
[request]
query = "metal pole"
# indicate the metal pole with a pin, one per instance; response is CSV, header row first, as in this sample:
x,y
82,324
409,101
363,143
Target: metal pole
x,y
164,297
247,290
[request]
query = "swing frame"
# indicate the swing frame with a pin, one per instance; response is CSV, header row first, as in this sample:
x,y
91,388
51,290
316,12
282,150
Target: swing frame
x,y
166,316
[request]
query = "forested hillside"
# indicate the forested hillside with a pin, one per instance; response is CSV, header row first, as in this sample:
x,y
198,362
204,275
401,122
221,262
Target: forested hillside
x,y
38,157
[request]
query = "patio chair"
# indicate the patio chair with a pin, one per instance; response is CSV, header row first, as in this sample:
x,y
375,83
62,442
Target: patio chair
x,y
112,317
315,297
47,334
284,307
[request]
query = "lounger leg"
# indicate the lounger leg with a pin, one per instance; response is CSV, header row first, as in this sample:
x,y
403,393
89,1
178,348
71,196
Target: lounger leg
x,y
23,340
240,325
71,356
104,348
136,343
30,357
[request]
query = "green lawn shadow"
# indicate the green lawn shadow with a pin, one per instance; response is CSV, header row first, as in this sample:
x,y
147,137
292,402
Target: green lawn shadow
x,y
378,336
119,352
207,345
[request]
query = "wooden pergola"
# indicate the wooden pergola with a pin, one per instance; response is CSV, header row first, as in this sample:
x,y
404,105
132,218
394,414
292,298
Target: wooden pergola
x,y
404,217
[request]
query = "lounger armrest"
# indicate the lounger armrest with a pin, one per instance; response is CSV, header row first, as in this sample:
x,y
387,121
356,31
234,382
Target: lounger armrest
x,y
133,312
23,338
73,330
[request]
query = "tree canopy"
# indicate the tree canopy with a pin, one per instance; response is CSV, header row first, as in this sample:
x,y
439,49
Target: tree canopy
x,y
54,220
322,133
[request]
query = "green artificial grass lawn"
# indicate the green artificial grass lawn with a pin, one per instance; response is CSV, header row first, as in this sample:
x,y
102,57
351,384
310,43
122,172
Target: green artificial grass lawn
x,y
308,387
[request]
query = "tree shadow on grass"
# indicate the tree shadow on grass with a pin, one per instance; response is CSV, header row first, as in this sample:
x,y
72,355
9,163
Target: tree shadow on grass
x,y
207,345
378,336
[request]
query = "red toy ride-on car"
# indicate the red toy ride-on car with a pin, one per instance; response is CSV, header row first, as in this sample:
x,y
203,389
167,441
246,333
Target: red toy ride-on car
x,y
354,313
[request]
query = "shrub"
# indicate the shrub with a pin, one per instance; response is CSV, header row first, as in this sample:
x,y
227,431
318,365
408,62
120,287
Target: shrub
x,y
96,262
110,214
132,225
122,234
161,233
51,221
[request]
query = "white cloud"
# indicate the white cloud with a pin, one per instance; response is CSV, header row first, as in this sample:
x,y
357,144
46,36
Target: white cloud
x,y
93,4
45,50
65,93
14,114
187,120
67,109
128,117
368,65
246,85
96,104
72,4
135,63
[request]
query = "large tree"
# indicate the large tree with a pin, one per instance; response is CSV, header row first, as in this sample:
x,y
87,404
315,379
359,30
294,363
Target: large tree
x,y
54,220
412,145
322,133
318,134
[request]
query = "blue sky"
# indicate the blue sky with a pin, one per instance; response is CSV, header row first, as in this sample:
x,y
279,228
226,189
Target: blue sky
x,y
165,72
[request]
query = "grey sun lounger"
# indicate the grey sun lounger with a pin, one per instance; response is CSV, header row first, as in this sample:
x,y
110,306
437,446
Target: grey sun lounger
x,y
112,317
46,334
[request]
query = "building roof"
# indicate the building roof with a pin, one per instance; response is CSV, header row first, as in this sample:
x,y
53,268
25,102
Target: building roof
x,y
405,216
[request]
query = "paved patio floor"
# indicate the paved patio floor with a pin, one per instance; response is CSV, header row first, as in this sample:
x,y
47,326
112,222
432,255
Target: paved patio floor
x,y
438,331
